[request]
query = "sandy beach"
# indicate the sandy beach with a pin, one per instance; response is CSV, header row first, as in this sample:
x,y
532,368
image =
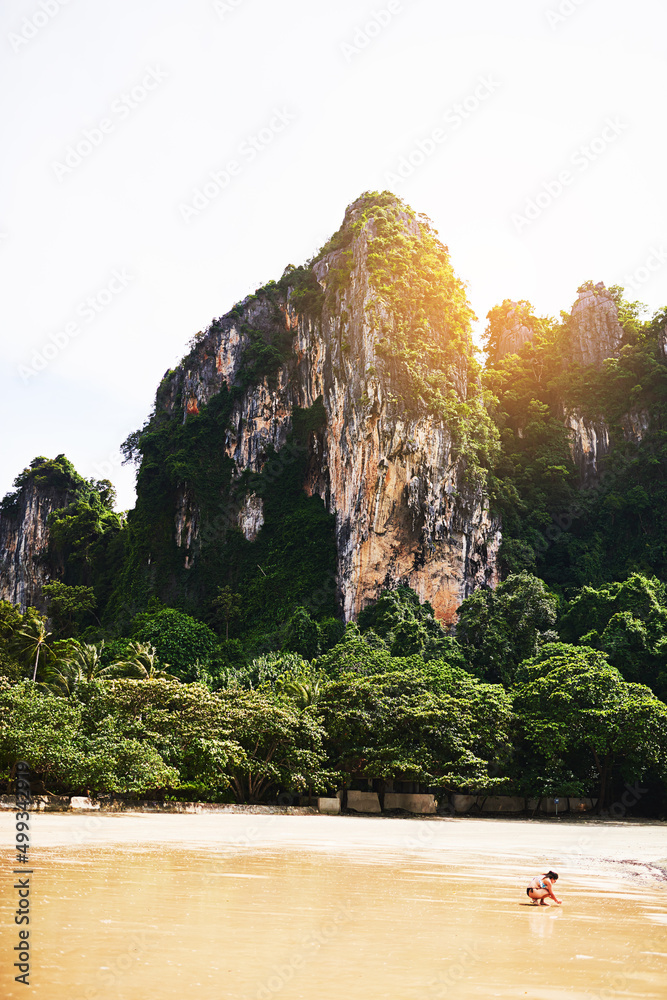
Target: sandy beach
x,y
255,906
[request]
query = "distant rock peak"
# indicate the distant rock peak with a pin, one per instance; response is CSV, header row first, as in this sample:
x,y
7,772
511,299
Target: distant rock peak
x,y
595,330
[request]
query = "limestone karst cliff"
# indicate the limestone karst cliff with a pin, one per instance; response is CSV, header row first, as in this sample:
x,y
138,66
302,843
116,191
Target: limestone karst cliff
x,y
23,545
389,458
595,329
25,565
581,407
333,434
57,526
593,333
511,325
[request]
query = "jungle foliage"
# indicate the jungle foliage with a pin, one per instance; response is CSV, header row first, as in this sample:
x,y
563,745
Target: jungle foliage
x,y
568,532
393,696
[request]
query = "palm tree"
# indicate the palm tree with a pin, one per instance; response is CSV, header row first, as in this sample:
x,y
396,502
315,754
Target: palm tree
x,y
142,663
303,689
83,663
32,642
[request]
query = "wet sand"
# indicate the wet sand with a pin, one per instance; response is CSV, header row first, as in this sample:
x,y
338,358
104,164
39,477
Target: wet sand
x,y
252,906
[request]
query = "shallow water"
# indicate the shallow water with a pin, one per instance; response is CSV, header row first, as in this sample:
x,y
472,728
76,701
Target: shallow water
x,y
247,906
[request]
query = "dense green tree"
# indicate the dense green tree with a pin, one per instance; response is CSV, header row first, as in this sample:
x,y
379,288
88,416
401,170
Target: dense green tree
x,y
628,621
499,628
246,741
283,745
357,653
179,639
331,631
289,677
67,753
184,723
441,729
407,626
137,736
263,671
581,719
302,634
68,607
227,607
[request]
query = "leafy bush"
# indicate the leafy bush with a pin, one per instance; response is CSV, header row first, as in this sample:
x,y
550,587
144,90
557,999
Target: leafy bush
x,y
580,719
499,628
179,639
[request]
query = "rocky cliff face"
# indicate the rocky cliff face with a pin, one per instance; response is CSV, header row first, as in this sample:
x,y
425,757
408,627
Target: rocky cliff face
x,y
361,365
24,545
593,333
589,443
596,332
513,330
406,508
591,440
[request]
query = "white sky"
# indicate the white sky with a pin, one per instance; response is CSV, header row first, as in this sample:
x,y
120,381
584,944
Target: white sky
x,y
219,75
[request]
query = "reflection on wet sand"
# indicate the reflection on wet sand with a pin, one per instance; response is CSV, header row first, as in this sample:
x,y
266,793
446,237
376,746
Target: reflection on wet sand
x,y
275,907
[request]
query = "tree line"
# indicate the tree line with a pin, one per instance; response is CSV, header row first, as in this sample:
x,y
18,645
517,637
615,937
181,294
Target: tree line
x,y
533,696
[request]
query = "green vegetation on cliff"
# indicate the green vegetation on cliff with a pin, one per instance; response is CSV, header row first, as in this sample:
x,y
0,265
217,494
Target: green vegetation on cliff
x,y
421,318
292,557
55,476
573,534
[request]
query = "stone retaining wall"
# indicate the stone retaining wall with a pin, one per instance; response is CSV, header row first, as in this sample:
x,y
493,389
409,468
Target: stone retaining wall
x,y
361,802
76,803
516,804
414,803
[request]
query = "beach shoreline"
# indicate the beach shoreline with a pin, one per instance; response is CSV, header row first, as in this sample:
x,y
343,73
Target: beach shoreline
x,y
359,905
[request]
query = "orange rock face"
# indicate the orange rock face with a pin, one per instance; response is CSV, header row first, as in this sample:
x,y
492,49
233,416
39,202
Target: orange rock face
x,y
404,511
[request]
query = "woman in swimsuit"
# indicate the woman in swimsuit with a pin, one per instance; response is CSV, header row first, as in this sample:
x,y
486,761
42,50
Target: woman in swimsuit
x,y
542,886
